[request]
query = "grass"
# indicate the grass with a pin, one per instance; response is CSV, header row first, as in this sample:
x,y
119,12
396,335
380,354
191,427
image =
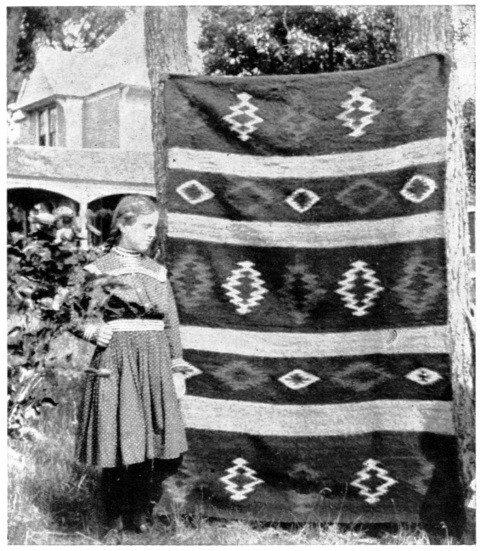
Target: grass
x,y
50,497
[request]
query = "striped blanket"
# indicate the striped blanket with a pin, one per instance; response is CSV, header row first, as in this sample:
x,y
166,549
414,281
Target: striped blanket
x,y
307,256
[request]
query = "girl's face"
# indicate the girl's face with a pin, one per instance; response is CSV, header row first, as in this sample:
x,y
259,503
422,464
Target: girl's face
x,y
139,235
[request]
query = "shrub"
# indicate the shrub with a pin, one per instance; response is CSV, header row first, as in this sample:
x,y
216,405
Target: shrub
x,y
49,293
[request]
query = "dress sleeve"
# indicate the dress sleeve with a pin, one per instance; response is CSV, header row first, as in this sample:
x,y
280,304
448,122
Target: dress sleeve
x,y
172,325
85,331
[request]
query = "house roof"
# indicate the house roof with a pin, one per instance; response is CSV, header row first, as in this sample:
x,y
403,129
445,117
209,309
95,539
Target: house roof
x,y
119,60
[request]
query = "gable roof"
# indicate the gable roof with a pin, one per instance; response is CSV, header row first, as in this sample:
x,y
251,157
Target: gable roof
x,y
119,60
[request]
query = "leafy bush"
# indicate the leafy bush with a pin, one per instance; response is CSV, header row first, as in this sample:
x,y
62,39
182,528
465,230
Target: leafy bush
x,y
48,293
253,40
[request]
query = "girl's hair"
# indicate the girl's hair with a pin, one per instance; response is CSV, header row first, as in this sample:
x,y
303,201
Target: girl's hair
x,y
126,212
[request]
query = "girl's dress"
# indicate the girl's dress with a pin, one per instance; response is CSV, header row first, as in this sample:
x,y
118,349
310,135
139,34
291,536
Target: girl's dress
x,y
133,415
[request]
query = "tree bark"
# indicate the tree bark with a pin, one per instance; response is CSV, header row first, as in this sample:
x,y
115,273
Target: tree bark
x,y
14,21
421,30
167,51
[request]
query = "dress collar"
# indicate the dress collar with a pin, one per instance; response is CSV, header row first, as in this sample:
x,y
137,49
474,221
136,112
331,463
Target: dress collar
x,y
126,252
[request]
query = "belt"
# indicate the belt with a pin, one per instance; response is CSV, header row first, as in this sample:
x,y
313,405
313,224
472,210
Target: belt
x,y
136,325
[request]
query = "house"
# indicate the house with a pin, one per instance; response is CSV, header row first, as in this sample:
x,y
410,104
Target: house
x,y
98,99
82,129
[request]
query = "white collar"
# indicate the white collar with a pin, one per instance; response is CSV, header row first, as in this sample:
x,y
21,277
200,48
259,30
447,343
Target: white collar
x,y
126,252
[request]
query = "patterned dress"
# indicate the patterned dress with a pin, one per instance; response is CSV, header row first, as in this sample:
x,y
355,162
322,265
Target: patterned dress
x,y
134,414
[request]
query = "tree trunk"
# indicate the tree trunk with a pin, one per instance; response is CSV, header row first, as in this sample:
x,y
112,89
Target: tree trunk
x,y
14,21
421,30
167,51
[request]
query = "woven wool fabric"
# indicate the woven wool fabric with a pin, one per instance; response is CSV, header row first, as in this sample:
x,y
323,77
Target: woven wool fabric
x,y
307,257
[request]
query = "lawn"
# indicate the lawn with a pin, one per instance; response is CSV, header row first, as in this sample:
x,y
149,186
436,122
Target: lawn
x,y
50,497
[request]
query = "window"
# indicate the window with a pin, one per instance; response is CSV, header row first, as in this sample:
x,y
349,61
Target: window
x,y
47,126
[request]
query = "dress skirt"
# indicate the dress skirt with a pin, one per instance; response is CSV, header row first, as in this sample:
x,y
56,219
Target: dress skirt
x,y
134,414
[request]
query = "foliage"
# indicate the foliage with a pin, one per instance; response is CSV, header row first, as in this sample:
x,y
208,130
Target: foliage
x,y
251,40
80,28
48,293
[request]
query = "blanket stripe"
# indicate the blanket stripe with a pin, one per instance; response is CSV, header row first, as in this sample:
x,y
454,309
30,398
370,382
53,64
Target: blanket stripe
x,y
307,255
384,195
303,345
318,420
346,289
342,380
417,227
302,167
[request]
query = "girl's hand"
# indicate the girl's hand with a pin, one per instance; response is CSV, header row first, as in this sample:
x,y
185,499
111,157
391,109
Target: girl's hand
x,y
180,386
98,372
104,335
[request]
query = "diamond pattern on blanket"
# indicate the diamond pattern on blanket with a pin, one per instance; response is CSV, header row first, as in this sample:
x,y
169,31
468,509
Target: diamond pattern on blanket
x,y
417,102
240,375
362,299
243,119
362,196
421,284
354,107
192,279
424,376
241,480
245,288
297,379
194,192
302,200
373,481
301,291
361,376
298,121
418,188
307,257
250,198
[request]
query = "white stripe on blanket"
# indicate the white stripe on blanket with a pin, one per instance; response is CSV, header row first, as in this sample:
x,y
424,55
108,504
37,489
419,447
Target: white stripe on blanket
x,y
414,340
359,233
317,420
315,166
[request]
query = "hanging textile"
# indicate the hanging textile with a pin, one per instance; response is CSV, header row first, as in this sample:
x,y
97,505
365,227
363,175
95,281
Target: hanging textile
x,y
307,255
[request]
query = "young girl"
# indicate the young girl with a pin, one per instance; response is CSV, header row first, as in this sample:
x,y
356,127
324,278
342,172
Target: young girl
x,y
130,422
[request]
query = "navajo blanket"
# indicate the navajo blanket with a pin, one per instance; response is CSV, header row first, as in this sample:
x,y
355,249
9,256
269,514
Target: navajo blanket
x,y
307,256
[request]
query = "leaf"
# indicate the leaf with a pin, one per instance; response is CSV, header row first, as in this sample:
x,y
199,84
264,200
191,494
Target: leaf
x,y
16,361
31,412
48,402
31,433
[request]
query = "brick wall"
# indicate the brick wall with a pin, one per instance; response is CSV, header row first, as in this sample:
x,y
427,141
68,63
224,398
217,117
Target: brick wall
x,y
101,120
